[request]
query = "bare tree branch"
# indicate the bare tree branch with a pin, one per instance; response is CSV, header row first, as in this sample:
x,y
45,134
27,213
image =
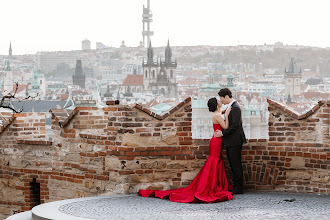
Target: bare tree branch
x,y
8,97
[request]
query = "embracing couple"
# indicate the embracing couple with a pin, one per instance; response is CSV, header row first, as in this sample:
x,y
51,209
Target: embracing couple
x,y
211,184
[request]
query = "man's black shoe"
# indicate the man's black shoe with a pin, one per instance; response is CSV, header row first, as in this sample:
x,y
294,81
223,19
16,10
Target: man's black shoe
x,y
236,191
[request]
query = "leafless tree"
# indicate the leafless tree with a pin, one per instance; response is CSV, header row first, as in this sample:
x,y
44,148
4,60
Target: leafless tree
x,y
10,96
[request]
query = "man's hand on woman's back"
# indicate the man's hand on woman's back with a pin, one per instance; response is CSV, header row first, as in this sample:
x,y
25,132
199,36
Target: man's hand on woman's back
x,y
218,133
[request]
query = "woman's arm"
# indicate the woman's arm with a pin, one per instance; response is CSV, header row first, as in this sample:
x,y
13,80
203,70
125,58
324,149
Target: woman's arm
x,y
224,124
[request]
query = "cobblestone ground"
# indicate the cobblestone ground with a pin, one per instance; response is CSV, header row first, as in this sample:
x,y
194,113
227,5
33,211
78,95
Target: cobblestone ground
x,y
251,205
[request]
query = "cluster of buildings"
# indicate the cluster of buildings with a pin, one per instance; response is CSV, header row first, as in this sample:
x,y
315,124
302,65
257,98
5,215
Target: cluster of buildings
x,y
154,78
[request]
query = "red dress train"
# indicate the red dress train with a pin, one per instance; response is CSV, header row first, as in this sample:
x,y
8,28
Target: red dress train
x,y
210,185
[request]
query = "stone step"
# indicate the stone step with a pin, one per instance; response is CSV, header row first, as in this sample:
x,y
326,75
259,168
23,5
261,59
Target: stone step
x,y
51,210
21,216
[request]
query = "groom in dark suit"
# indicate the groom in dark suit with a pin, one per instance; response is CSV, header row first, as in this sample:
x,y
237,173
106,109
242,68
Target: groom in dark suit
x,y
233,138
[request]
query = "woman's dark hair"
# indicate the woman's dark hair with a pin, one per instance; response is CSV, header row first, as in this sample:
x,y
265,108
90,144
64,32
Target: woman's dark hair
x,y
225,91
212,104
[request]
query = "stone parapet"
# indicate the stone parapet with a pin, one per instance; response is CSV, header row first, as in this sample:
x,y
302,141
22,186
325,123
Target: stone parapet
x,y
122,148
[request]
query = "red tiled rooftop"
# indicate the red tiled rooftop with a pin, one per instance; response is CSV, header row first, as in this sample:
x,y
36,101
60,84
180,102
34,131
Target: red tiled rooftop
x,y
190,81
133,80
312,94
20,87
64,96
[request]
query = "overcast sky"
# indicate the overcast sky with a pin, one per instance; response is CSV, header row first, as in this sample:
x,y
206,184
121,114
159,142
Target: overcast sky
x,y
54,25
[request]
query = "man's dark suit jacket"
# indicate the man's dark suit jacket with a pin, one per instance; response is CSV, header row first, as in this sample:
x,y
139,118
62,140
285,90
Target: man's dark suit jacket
x,y
234,134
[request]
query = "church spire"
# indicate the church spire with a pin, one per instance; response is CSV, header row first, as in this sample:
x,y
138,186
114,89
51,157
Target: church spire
x,y
79,78
168,53
292,66
150,59
10,51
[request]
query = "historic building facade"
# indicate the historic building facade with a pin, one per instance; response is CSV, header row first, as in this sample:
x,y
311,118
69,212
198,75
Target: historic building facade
x,y
159,76
79,77
292,79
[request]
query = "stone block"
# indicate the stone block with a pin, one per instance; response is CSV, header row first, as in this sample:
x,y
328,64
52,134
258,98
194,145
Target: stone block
x,y
5,210
143,178
188,176
73,157
9,151
118,188
307,136
131,139
95,185
169,136
298,175
197,164
182,165
297,163
164,175
96,163
321,177
115,177
98,148
156,187
112,163
132,165
160,164
84,147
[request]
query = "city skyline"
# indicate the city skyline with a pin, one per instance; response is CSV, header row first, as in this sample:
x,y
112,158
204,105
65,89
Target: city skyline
x,y
60,26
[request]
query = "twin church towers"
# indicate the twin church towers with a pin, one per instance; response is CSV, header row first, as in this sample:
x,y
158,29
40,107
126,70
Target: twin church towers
x,y
159,77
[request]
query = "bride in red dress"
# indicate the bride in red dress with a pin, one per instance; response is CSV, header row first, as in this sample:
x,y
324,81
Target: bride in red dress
x,y
211,184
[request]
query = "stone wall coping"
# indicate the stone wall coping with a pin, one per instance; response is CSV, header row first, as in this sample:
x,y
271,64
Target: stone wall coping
x,y
63,116
165,114
97,136
9,121
295,114
34,142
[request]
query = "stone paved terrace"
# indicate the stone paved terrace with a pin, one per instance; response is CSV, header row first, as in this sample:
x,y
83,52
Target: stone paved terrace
x,y
251,205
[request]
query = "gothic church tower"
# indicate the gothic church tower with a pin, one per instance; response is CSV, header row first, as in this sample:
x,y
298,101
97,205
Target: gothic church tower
x,y
160,77
292,79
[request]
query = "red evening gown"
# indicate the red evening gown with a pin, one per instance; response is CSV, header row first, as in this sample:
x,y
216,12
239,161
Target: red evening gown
x,y
210,185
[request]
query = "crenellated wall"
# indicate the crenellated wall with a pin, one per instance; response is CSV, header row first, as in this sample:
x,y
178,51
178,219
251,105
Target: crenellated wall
x,y
22,127
299,148
121,149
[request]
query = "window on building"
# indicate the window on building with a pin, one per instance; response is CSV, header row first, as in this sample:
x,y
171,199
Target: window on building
x,y
146,73
153,74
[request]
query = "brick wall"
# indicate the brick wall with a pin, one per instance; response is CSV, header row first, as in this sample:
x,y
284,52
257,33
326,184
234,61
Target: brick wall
x,y
24,155
21,127
120,149
299,148
18,166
